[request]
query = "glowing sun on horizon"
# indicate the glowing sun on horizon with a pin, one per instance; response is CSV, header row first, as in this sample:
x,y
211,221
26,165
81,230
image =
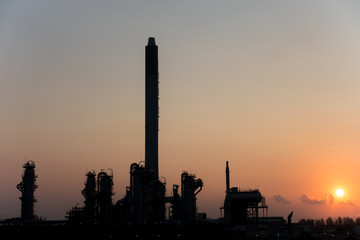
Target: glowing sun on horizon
x,y
340,192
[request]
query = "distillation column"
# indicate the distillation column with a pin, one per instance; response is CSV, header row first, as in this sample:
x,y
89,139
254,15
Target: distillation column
x,y
190,187
27,188
105,193
89,193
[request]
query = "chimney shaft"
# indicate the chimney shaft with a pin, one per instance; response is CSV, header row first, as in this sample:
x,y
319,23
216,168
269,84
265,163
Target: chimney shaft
x,y
151,107
227,177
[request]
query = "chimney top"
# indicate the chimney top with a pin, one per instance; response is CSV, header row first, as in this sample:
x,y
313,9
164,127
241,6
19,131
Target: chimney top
x,y
151,41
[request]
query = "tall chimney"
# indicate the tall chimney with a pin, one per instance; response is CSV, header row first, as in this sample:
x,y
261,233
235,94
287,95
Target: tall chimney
x,y
151,107
227,177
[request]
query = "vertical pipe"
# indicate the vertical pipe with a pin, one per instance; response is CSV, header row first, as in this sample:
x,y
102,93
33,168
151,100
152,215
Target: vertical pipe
x,y
151,107
227,177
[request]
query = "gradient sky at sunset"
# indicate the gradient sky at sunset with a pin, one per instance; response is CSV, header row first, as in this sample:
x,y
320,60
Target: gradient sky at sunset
x,y
273,87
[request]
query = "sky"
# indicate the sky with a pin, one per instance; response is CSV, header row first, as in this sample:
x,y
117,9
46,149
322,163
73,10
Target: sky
x,y
270,86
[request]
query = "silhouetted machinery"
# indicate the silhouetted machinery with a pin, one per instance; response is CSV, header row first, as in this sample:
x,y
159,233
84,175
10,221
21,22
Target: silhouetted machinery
x,y
242,207
146,196
89,193
104,196
27,188
144,201
98,194
183,208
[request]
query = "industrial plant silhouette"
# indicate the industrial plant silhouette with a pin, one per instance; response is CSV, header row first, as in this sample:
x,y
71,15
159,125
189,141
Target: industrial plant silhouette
x,y
142,213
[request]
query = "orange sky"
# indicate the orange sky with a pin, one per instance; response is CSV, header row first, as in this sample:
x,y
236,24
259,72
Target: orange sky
x,y
270,87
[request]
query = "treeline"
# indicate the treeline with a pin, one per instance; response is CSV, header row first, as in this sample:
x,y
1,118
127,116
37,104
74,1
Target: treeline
x,y
330,222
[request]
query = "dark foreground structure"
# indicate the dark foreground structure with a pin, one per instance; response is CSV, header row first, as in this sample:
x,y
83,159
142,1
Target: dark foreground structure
x,y
124,232
242,207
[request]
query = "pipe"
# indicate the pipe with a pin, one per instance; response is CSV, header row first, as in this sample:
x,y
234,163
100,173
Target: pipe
x,y
227,177
183,176
133,166
199,183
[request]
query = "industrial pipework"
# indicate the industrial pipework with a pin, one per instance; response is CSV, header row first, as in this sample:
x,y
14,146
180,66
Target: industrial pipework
x,y
190,187
144,201
183,208
89,193
27,188
137,193
241,207
105,193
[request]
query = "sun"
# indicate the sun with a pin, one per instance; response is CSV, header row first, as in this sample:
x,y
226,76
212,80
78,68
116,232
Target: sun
x,y
340,192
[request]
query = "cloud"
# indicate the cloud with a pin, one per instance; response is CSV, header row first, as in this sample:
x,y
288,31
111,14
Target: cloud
x,y
347,203
305,199
280,199
331,198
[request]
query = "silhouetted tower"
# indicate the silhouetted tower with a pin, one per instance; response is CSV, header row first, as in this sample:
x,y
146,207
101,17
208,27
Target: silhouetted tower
x,y
151,107
155,201
190,187
89,193
105,192
137,193
146,192
27,188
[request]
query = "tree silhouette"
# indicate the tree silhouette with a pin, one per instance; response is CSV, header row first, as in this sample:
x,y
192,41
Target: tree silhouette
x,y
319,222
329,221
348,221
339,221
